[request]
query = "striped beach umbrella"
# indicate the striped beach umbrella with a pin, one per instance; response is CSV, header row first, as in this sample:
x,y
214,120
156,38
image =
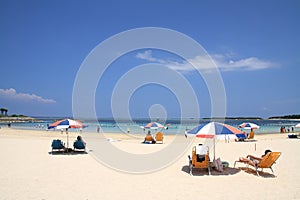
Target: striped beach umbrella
x,y
153,125
248,125
214,130
66,123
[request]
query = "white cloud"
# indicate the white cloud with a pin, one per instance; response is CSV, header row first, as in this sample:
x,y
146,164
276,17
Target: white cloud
x,y
12,94
208,62
147,55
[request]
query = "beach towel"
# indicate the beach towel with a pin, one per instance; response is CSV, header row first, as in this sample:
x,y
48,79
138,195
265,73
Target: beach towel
x,y
218,165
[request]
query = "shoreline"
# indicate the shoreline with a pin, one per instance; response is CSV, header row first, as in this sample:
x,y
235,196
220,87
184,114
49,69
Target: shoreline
x,y
125,133
266,126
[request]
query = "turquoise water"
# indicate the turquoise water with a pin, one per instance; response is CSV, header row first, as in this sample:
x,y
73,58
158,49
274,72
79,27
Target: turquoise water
x,y
176,126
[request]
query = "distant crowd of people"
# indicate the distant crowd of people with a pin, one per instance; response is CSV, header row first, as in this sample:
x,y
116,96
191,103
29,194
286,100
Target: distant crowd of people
x,y
284,130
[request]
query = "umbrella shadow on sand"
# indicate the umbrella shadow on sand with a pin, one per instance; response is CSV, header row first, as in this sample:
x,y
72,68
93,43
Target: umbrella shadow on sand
x,y
69,152
202,172
261,173
247,140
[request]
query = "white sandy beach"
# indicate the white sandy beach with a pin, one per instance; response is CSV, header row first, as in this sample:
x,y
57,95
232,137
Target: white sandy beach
x,y
29,171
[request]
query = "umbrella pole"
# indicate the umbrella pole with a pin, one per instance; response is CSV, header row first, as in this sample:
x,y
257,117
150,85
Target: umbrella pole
x,y
67,132
67,140
214,148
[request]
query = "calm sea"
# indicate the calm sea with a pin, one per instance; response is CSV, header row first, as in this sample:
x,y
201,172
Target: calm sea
x,y
176,126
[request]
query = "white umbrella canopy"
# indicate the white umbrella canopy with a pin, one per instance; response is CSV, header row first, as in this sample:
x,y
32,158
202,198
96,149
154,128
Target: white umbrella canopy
x,y
297,125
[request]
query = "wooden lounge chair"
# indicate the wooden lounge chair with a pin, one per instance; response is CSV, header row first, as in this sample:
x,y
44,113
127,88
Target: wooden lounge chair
x,y
266,162
159,137
57,145
198,161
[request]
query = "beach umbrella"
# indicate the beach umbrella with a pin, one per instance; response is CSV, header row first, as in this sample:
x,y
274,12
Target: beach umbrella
x,y
297,125
66,124
248,125
214,130
153,125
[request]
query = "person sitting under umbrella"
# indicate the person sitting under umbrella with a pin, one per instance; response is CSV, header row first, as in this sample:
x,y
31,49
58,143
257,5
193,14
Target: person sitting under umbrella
x,y
149,138
79,138
251,134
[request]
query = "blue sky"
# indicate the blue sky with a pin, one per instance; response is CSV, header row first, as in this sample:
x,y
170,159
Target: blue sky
x,y
255,45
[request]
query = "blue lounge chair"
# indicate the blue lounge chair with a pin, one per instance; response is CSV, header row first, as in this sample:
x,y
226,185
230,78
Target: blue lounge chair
x,y
241,137
57,145
79,144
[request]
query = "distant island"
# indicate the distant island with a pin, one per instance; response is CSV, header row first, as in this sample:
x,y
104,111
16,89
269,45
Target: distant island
x,y
5,118
17,118
286,117
233,118
295,116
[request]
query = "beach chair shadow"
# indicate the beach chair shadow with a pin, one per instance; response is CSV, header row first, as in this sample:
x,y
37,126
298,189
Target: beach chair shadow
x,y
253,172
201,172
196,171
246,140
69,152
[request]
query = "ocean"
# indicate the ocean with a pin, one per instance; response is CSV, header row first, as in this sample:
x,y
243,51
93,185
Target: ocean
x,y
176,126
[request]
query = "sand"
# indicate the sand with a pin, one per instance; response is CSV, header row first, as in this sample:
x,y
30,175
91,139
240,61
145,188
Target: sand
x,y
28,170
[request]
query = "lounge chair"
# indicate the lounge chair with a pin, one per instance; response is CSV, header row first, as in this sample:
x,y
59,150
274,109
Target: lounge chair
x,y
149,139
199,160
159,137
266,162
79,144
241,137
57,145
